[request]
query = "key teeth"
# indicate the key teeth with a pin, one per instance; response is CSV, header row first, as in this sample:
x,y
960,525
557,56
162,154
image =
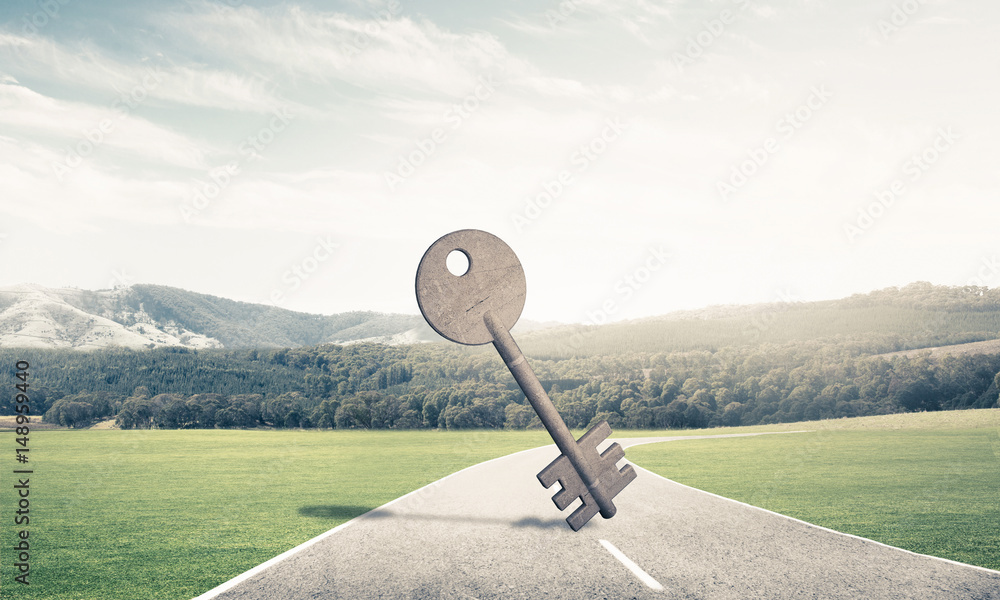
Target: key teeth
x,y
563,498
613,454
612,480
597,434
627,476
584,513
562,471
550,474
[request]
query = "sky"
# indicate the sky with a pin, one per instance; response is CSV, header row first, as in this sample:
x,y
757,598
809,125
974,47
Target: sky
x,y
639,157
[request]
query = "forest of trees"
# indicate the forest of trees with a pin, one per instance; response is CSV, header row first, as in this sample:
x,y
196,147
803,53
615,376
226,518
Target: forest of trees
x,y
769,368
436,386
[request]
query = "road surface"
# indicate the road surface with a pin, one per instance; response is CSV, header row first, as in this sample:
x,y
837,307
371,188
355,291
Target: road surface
x,y
491,531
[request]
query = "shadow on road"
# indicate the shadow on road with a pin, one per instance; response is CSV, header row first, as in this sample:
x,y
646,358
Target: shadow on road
x,y
536,522
333,511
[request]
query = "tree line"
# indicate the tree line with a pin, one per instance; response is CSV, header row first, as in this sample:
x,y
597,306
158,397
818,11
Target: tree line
x,y
720,366
445,386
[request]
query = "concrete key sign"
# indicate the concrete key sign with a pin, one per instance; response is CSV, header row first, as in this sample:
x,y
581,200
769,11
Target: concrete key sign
x,y
481,306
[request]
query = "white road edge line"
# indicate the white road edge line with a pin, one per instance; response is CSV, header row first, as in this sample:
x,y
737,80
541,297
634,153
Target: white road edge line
x,y
636,569
820,527
228,585
231,583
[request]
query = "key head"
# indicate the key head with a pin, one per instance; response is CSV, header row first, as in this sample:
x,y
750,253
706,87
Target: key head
x,y
454,305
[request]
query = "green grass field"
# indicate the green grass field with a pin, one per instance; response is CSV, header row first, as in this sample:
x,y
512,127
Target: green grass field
x,y
171,514
927,482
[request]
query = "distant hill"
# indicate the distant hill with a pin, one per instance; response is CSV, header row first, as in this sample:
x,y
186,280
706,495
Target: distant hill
x,y
919,315
219,363
969,349
151,316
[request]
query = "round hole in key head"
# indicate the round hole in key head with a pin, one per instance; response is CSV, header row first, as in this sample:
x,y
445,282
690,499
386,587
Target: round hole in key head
x,y
458,262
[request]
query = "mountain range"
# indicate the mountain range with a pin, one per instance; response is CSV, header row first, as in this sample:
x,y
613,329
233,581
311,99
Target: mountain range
x,y
149,316
919,315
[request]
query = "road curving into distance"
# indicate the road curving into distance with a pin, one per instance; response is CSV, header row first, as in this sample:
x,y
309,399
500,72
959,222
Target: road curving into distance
x,y
491,531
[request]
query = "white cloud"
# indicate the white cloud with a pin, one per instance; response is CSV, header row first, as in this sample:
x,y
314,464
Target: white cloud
x,y
412,67
575,17
533,25
358,113
556,87
943,20
84,130
92,67
85,200
373,53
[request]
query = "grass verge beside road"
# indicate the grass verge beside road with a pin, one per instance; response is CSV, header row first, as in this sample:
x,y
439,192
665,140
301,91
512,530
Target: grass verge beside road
x,y
171,514
925,482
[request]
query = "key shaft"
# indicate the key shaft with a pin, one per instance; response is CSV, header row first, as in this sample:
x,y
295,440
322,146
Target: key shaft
x,y
547,413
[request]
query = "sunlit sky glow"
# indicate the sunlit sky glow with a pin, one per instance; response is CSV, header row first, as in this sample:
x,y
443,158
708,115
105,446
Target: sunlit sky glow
x,y
117,119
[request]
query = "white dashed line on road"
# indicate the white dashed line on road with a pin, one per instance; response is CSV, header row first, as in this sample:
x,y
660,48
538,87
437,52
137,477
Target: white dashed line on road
x,y
636,569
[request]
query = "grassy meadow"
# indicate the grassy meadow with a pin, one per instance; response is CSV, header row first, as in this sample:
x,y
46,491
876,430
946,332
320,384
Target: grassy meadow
x,y
926,482
170,514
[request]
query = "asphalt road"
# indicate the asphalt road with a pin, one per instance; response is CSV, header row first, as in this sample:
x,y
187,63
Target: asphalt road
x,y
491,531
